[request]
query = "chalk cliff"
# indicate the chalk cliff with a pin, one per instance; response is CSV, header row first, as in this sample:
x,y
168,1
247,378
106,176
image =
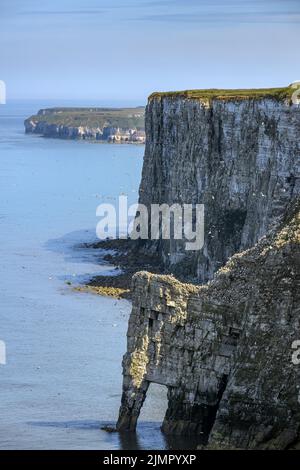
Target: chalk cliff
x,y
236,154
223,349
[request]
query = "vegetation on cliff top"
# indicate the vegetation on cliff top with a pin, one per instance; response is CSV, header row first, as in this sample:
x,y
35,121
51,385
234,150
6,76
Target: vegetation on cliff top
x,y
279,94
125,118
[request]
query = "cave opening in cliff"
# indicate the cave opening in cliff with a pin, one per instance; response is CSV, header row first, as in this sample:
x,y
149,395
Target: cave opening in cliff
x,y
155,404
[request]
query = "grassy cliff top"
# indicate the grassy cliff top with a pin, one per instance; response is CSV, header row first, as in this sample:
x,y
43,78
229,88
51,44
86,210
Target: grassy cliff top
x,y
126,118
229,94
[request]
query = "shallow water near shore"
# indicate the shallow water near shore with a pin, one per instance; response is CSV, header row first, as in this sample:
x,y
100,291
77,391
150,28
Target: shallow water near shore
x,y
63,376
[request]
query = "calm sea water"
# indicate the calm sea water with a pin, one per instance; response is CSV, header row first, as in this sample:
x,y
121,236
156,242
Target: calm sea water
x,y
62,380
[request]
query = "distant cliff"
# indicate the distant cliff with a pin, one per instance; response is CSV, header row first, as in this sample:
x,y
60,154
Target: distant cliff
x,y
235,151
103,124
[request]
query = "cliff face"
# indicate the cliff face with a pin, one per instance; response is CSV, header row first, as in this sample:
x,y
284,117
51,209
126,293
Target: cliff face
x,y
61,131
237,156
224,349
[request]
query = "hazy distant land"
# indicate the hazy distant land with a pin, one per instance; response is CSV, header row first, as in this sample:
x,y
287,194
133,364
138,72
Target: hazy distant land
x,y
103,124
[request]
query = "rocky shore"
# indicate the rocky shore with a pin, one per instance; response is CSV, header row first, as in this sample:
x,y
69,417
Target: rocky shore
x,y
125,258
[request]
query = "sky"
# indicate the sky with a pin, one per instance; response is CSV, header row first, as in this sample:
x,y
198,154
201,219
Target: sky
x,y
126,49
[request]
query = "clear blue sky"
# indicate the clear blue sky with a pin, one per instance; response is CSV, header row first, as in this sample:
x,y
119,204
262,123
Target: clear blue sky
x,y
125,49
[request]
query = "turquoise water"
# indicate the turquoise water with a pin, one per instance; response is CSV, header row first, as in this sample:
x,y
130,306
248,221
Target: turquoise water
x,y
62,380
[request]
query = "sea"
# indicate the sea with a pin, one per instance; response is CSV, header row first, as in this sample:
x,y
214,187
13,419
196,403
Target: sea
x,y
61,377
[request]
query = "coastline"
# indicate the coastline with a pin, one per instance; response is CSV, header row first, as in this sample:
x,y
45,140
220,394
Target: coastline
x,y
116,125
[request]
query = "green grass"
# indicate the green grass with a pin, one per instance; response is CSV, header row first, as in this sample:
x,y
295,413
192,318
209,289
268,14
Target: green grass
x,y
278,94
126,118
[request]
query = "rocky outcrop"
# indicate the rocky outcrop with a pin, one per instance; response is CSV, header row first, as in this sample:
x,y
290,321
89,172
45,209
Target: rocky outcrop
x,y
237,154
223,349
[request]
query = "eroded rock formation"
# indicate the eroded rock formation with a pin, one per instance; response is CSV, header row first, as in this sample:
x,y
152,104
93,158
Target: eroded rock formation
x,y
222,349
